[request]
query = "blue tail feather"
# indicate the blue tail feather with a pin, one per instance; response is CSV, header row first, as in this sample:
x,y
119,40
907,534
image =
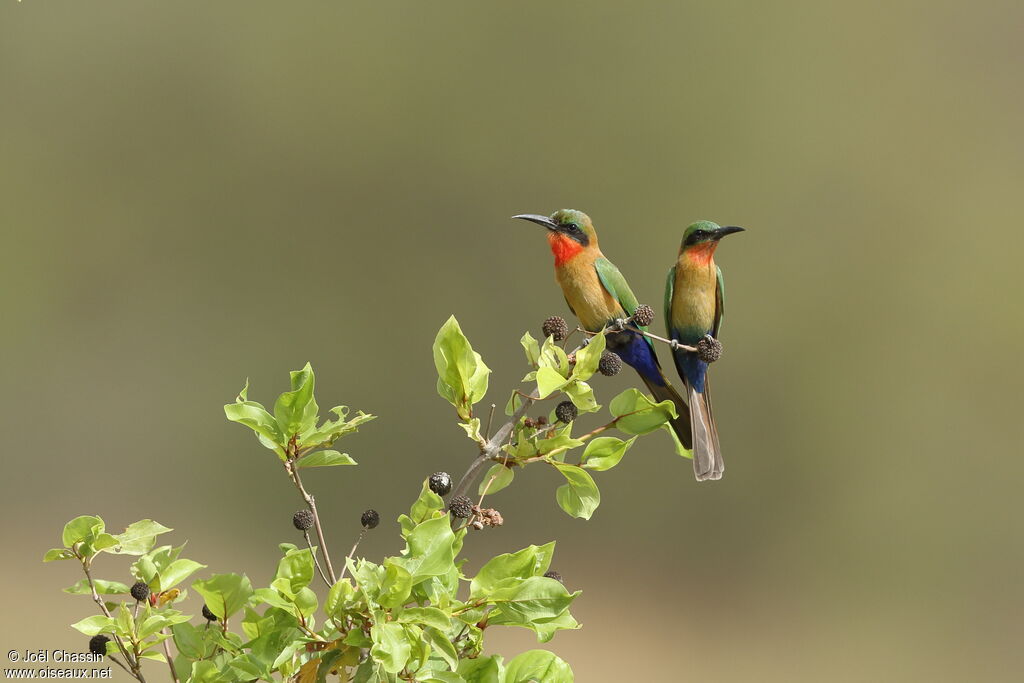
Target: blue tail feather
x,y
637,353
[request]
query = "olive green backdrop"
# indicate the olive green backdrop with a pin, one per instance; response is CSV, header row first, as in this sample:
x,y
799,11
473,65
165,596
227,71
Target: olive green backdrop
x,y
193,193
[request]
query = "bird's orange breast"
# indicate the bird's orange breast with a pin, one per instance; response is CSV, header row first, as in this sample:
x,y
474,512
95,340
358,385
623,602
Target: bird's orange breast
x,y
585,294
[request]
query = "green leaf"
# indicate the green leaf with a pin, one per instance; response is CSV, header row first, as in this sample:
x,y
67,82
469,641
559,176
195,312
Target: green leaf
x,y
94,625
296,567
430,549
605,452
580,496
549,381
502,476
553,356
390,646
397,583
159,620
461,373
635,413
443,645
155,656
472,429
443,676
562,441
538,665
488,669
306,602
192,642
224,594
338,597
81,529
103,541
296,411
511,568
332,430
139,538
55,554
325,459
525,602
176,572
588,358
426,616
546,628
427,505
102,587
582,396
254,416
531,348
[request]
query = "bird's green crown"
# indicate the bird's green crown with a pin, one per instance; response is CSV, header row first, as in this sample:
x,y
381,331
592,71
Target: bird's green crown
x,y
575,224
701,231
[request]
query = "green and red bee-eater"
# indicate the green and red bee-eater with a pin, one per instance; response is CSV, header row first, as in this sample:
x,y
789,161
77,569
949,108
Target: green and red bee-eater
x,y
694,297
598,295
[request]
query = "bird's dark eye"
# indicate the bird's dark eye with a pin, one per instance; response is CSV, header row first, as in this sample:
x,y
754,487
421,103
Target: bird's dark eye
x,y
573,227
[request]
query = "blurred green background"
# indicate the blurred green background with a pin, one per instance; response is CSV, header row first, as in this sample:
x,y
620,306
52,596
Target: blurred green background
x,y
193,193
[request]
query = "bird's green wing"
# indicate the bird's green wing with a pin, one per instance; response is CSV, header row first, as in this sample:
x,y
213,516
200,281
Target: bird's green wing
x,y
719,304
670,286
615,283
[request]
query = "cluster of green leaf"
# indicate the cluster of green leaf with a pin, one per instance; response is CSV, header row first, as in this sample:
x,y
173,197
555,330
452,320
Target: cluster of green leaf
x,y
415,616
555,373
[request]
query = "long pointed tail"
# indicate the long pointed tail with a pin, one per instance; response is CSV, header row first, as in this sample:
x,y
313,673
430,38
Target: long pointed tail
x,y
707,454
680,425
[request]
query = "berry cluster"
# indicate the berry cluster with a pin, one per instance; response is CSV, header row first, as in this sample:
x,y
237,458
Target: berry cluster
x,y
482,517
370,519
303,520
461,507
440,483
610,364
566,412
643,315
535,422
709,349
555,327
139,591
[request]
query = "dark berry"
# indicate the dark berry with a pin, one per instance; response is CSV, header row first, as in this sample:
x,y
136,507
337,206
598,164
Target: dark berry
x,y
555,327
709,349
370,519
139,591
303,520
98,644
643,315
208,615
440,483
554,575
461,507
566,411
610,364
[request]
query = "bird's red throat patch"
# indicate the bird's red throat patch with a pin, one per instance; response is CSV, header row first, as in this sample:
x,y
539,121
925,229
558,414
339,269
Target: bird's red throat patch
x,y
702,253
564,248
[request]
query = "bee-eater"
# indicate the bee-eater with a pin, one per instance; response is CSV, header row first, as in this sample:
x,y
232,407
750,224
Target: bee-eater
x,y
598,295
694,297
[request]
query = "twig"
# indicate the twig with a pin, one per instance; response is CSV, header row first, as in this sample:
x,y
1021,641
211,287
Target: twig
x,y
316,562
170,660
132,662
311,504
492,447
352,552
117,661
490,418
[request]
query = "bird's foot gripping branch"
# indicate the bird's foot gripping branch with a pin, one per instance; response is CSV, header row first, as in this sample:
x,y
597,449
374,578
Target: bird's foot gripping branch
x,y
419,615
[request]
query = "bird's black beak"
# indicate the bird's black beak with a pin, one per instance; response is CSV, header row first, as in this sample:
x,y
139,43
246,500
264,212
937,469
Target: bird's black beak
x,y
539,220
727,230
